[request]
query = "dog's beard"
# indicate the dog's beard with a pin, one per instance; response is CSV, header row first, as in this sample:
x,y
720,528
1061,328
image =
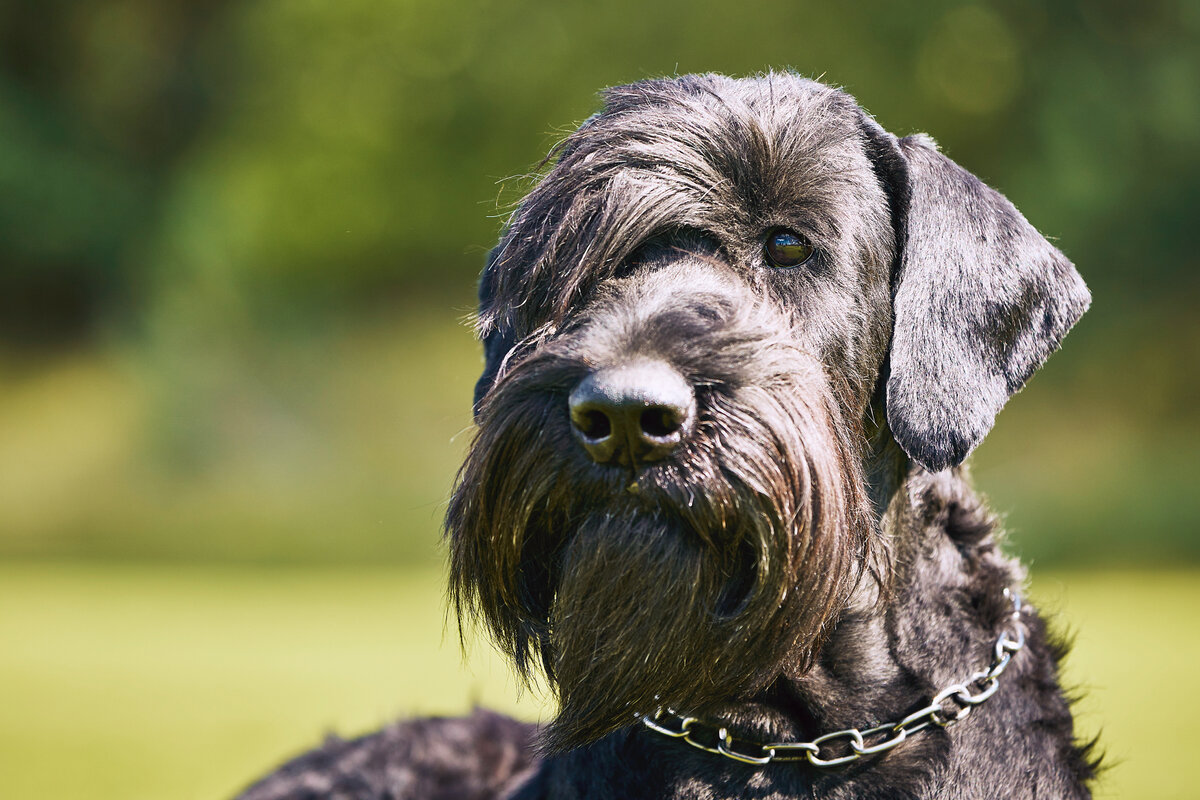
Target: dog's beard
x,y
727,563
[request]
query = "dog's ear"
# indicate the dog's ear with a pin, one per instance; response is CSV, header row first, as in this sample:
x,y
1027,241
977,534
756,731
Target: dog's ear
x,y
981,300
497,338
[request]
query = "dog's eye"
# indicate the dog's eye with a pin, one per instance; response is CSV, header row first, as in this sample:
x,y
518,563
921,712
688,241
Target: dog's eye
x,y
786,248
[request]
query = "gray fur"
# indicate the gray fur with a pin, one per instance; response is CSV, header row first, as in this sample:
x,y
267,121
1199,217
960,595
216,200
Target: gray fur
x,y
982,301
808,556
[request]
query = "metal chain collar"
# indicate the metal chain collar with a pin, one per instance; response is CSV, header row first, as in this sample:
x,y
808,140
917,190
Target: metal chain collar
x,y
950,705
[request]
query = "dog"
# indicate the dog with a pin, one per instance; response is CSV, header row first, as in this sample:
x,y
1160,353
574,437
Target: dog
x,y
738,341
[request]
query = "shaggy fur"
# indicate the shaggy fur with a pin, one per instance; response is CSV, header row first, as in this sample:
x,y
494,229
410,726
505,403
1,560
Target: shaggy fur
x,y
809,555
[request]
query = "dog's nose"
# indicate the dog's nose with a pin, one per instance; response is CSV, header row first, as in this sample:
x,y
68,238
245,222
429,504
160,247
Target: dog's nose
x,y
633,412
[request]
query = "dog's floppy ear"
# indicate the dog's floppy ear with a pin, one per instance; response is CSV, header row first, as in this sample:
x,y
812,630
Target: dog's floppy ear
x,y
498,339
981,300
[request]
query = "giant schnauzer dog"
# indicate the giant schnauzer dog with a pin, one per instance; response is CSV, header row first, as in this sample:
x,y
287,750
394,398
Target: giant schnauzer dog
x,y
739,340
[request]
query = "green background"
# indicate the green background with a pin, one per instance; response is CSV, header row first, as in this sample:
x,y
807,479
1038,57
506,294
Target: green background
x,y
238,244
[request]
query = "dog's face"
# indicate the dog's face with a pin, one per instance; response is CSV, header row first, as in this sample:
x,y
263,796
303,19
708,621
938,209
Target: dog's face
x,y
690,327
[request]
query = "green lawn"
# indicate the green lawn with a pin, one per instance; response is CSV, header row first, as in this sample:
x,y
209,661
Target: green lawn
x,y
165,682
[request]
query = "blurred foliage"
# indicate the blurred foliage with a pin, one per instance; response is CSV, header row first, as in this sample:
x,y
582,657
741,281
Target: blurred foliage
x,y
321,151
237,241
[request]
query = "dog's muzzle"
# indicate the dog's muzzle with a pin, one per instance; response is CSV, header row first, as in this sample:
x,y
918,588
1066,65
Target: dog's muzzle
x,y
729,553
632,413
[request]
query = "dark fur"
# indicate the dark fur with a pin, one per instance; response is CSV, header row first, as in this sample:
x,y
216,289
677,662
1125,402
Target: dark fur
x,y
473,758
810,557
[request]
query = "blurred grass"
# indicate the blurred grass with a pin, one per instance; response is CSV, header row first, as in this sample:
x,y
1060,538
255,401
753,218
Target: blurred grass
x,y
335,444
174,683
136,682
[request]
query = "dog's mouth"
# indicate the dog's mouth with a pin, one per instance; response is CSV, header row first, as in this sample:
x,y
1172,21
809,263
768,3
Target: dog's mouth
x,y
739,587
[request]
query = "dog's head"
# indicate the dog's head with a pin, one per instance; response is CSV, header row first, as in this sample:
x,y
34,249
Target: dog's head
x,y
690,326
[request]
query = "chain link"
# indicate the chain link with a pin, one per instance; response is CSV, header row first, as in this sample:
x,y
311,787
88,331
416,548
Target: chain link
x,y
949,706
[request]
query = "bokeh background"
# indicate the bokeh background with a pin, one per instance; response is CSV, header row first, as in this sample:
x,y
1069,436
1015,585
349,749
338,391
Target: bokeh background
x,y
238,243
